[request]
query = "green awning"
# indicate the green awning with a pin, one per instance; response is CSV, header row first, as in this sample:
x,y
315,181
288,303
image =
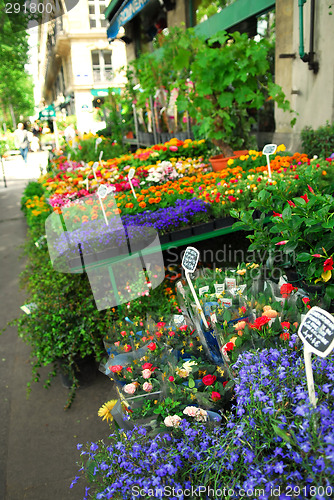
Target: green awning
x,y
105,92
48,112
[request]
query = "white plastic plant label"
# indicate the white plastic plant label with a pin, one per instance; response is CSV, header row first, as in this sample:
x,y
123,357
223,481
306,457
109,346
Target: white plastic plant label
x,y
230,283
219,288
202,290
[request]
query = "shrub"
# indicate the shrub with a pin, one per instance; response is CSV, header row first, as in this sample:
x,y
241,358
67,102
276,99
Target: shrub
x,y
318,142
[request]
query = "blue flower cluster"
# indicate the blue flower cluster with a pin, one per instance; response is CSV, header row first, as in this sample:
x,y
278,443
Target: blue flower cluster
x,y
273,441
96,236
167,219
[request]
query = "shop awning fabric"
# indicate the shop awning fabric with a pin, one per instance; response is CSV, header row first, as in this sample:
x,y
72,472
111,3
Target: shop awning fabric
x,y
48,112
127,10
104,92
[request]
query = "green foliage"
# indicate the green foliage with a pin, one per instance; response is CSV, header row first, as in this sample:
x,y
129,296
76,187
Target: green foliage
x,y
217,85
319,142
34,188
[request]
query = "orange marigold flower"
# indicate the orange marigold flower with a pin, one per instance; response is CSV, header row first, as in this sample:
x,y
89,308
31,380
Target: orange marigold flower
x,y
142,204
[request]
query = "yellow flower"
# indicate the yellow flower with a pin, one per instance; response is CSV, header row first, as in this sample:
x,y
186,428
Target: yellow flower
x,y
230,161
105,410
281,147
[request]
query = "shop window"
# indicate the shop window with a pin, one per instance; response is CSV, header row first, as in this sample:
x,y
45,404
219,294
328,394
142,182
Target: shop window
x,y
102,65
96,9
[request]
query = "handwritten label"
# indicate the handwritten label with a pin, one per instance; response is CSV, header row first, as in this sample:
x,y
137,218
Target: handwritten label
x,y
269,149
317,331
190,259
181,288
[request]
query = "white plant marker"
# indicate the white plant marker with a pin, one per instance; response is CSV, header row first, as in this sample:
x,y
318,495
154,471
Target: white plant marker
x,y
86,182
100,158
102,193
189,264
317,334
269,149
95,165
130,177
97,142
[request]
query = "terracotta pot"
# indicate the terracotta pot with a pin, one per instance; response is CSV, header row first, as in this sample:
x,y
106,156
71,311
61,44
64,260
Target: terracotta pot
x,y
219,162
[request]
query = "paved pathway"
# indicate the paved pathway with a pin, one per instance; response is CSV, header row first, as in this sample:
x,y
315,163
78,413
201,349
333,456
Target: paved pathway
x,y
37,437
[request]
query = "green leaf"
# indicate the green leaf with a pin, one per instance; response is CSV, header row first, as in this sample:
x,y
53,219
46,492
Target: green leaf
x,y
282,434
191,383
304,257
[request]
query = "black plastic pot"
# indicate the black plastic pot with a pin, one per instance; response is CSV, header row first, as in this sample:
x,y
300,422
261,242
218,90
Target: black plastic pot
x,y
164,238
224,222
206,227
181,234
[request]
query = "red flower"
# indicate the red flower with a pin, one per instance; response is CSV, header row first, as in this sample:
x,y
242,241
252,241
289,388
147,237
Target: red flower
x,y
291,203
286,289
285,325
171,378
310,189
285,335
161,324
129,369
147,366
116,368
152,346
232,199
260,322
229,346
328,264
277,215
215,396
224,383
305,198
158,334
127,348
306,300
316,255
209,379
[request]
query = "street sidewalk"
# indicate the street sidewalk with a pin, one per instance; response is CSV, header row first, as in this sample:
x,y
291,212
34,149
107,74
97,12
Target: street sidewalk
x,y
37,437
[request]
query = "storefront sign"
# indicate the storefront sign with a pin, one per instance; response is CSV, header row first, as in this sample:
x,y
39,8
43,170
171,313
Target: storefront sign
x,y
130,10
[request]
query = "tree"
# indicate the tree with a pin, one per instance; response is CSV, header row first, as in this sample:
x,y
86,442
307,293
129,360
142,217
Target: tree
x,y
16,87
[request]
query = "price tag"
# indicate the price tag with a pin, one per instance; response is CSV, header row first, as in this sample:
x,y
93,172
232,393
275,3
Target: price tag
x,y
317,334
230,283
317,331
213,317
269,149
102,191
190,259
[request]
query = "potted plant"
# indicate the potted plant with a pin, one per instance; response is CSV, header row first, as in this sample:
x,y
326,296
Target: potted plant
x,y
217,86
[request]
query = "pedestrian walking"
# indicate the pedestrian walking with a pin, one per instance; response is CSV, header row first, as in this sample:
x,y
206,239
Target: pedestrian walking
x,y
22,141
36,131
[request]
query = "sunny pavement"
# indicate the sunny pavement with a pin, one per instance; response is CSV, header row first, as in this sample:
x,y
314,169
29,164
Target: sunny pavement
x,y
38,437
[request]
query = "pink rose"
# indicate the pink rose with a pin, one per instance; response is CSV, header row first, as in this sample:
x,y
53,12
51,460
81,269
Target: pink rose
x,y
172,421
129,388
147,387
146,373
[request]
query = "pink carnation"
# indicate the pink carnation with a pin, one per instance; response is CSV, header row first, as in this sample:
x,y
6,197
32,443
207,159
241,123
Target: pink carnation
x,y
129,388
147,387
146,373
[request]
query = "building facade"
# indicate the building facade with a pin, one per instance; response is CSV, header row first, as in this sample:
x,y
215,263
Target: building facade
x,y
76,63
304,55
